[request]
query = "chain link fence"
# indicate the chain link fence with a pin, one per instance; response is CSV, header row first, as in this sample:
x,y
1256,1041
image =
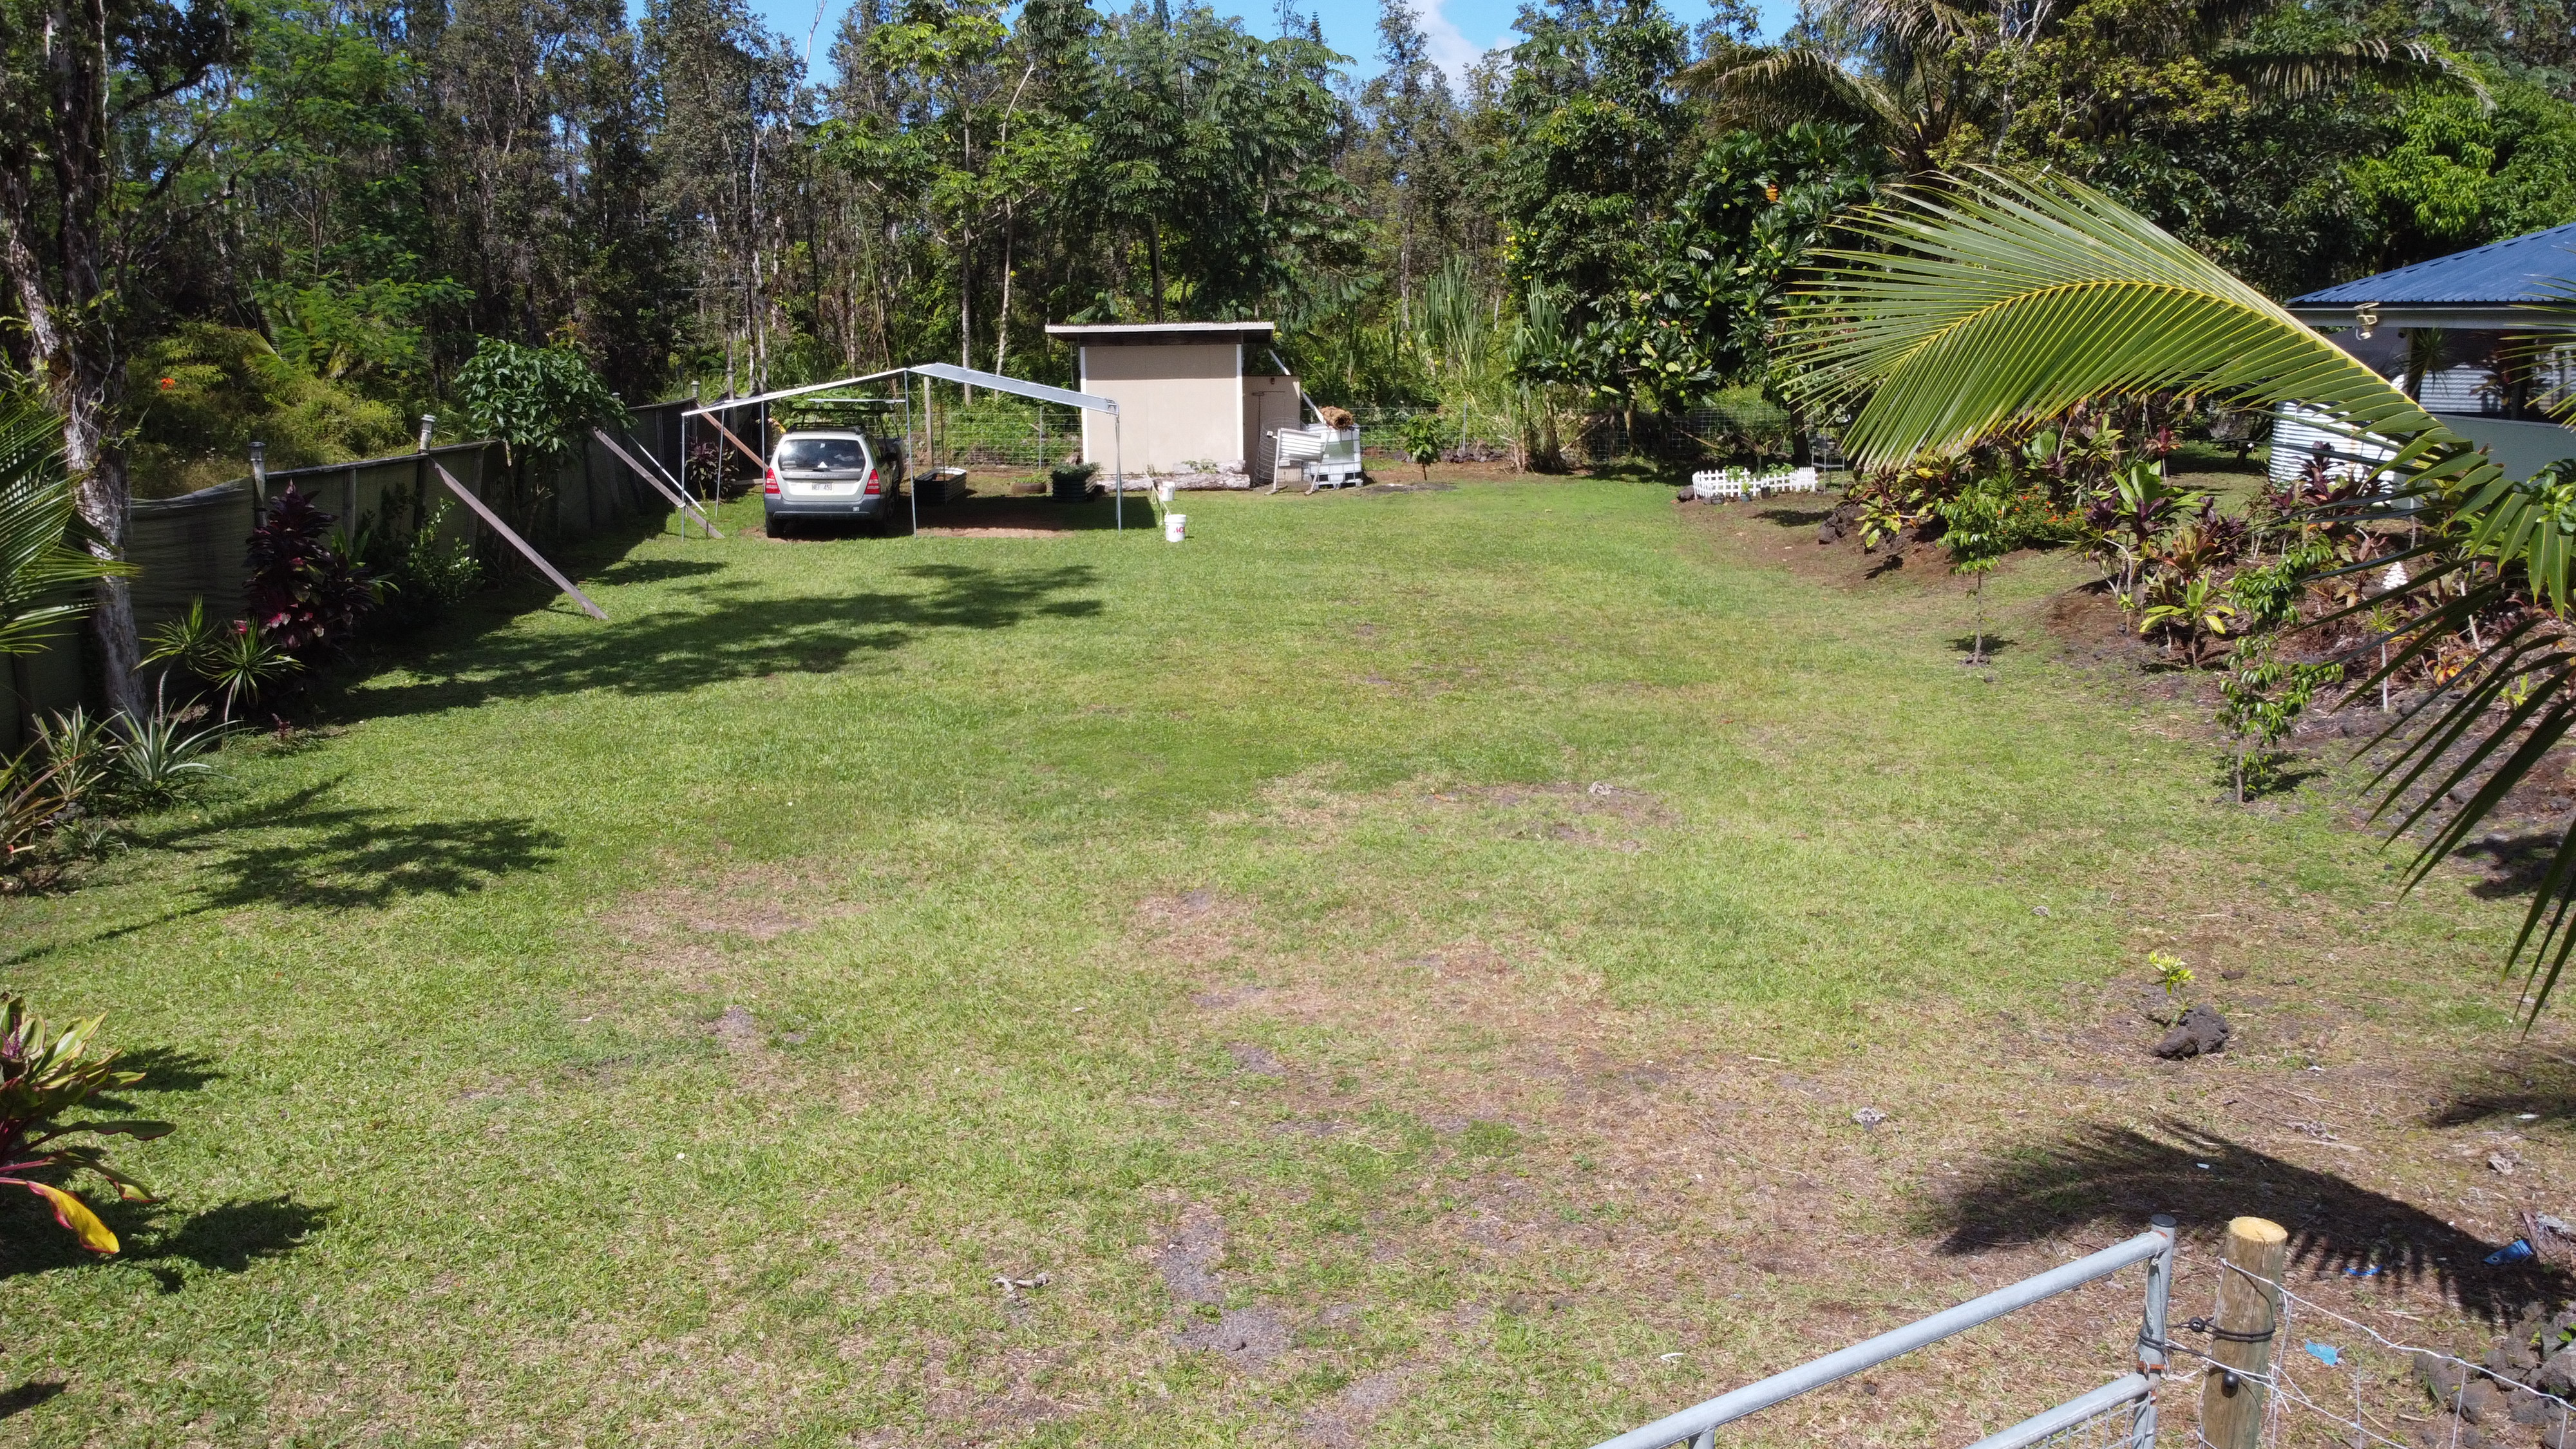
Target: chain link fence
x,y
1734,429
1012,433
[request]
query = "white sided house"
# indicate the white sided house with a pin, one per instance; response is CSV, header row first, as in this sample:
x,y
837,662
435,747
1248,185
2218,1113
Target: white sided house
x,y
2483,339
1186,401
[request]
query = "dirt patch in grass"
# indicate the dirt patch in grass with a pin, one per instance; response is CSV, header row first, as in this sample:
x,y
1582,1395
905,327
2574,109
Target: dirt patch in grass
x,y
756,903
1342,1422
1195,927
1188,1260
1574,1161
1782,533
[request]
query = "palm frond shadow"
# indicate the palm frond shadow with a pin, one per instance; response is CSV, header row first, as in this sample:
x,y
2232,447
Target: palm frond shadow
x,y
2536,1084
2515,865
2098,1174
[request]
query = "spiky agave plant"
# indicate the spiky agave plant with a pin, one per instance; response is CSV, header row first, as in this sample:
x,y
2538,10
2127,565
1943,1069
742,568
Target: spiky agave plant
x,y
1990,301
43,1076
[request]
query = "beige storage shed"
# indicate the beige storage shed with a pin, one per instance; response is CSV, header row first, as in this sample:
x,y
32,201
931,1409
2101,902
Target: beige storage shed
x,y
1185,400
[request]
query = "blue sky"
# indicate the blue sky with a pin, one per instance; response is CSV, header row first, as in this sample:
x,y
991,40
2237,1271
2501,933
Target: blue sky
x,y
1459,30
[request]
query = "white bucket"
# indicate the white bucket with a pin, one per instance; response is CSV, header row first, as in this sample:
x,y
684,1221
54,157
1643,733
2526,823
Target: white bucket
x,y
1175,527
1163,492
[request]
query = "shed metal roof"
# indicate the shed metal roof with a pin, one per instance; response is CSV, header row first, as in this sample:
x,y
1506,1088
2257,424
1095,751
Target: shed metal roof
x,y
2535,268
1160,331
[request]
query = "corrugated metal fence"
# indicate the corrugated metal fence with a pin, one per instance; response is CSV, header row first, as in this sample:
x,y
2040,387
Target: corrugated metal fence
x,y
195,546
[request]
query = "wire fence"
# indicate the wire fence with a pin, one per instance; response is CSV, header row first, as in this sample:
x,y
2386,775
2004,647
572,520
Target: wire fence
x,y
1003,433
2336,1382
1738,429
1012,433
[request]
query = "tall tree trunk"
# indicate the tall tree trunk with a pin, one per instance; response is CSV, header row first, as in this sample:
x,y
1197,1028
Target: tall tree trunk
x,y
1002,317
1154,254
50,248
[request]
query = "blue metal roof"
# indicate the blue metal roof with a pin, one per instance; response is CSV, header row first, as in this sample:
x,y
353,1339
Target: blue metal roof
x,y
2537,267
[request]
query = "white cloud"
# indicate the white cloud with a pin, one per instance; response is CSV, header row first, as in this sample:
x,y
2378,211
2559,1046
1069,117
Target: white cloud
x,y
1450,48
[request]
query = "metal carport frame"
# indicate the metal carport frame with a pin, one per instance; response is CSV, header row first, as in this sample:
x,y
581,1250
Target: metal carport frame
x,y
964,376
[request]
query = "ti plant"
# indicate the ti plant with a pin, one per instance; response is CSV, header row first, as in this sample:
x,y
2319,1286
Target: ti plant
x,y
42,1077
2196,610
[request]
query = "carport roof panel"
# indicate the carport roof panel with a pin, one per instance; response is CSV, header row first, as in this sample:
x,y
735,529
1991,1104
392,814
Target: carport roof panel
x,y
1132,333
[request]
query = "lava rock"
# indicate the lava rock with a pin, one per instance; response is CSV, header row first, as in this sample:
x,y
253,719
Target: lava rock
x,y
2201,1032
2558,1374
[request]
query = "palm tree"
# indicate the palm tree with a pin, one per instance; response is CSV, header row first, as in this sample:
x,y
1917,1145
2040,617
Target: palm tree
x,y
45,577
1989,301
1919,78
1916,91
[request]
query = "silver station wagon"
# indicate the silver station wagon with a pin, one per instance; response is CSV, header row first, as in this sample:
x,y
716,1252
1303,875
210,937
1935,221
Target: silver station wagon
x,y
831,473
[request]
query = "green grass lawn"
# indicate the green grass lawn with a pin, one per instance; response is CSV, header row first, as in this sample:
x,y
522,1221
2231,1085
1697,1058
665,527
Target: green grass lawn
x,y
1397,965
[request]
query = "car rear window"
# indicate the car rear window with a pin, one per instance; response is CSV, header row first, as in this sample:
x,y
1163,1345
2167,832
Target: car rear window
x,y
821,454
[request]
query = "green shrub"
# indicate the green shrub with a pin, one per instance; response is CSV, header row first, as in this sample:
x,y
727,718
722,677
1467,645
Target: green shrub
x,y
203,393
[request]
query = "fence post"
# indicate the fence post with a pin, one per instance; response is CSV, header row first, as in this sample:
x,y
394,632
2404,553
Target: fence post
x,y
420,474
2153,1357
2233,1391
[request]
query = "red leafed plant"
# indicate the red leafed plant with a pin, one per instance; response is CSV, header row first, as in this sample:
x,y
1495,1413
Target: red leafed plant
x,y
305,593
43,1076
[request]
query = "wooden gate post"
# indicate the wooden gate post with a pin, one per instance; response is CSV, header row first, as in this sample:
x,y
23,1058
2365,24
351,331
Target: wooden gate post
x,y
2234,1390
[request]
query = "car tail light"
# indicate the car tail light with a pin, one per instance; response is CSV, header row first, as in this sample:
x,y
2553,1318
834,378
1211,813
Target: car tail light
x,y
873,485
769,483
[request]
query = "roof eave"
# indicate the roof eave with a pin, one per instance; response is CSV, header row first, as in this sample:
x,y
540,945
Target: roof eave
x,y
2458,317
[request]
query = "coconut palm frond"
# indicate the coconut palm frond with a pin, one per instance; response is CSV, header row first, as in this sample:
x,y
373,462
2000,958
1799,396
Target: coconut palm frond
x,y
1794,84
1908,22
2294,75
1991,300
45,573
1995,301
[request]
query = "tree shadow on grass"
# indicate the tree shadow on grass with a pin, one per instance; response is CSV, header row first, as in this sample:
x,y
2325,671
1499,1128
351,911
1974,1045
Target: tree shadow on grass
x,y
301,852
654,571
2100,1174
732,629
228,1238
1795,517
1967,644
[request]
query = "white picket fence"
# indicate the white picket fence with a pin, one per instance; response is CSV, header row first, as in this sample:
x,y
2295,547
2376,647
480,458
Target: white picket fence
x,y
1719,485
